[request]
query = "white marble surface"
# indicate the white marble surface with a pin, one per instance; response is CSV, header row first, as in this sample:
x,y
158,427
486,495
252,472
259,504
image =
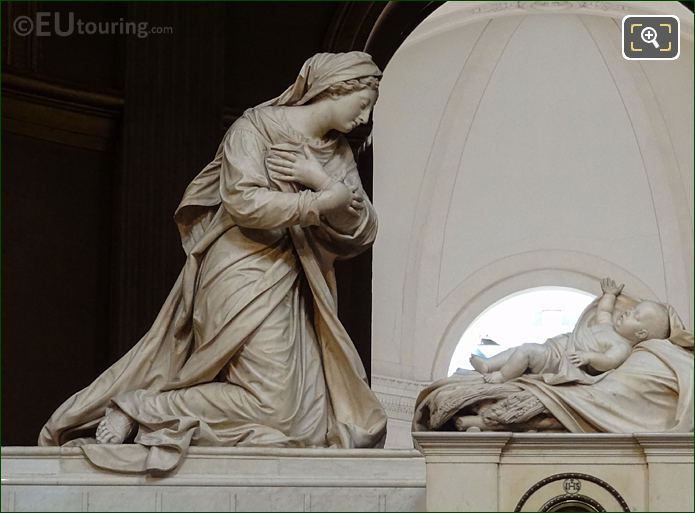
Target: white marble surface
x,y
397,396
465,472
219,479
508,181
492,471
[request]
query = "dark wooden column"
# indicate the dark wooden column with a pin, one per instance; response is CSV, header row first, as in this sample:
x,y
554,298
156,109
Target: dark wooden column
x,y
173,96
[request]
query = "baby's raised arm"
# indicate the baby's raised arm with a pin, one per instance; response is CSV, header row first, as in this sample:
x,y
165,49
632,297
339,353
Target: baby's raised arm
x,y
611,290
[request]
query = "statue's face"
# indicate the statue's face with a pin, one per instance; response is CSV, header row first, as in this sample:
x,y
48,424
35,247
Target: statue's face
x,y
637,320
353,109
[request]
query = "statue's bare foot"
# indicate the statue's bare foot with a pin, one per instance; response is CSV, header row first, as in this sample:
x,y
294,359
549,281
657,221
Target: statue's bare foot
x,y
115,427
494,377
479,364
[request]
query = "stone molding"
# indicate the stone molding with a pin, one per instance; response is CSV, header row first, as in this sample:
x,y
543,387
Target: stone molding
x,y
450,447
397,395
523,448
666,448
218,479
226,466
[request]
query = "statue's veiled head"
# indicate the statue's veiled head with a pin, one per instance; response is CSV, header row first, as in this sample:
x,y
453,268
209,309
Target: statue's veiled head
x,y
350,102
324,70
346,84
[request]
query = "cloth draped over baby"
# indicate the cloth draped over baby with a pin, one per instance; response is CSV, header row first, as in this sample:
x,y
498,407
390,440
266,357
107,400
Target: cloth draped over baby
x,y
652,391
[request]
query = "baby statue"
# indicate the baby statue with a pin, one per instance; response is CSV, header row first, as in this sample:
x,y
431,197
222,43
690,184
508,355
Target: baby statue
x,y
566,358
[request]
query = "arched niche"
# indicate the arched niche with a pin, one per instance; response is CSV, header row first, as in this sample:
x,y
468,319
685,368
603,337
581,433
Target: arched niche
x,y
514,147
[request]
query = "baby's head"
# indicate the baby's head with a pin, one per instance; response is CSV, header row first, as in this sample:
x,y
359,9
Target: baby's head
x,y
645,321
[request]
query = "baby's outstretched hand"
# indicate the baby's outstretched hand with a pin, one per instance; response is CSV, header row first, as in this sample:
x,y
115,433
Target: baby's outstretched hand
x,y
579,358
608,286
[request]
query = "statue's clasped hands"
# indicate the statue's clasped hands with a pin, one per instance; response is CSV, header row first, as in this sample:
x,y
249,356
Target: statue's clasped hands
x,y
303,168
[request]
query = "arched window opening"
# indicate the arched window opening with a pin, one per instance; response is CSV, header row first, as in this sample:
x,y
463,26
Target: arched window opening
x,y
531,315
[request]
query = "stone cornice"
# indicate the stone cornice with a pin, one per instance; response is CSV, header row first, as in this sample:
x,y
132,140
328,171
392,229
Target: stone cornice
x,y
590,447
447,447
397,395
521,448
226,452
665,447
227,466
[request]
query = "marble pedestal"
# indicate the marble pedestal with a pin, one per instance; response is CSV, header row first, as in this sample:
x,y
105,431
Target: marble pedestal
x,y
219,479
546,471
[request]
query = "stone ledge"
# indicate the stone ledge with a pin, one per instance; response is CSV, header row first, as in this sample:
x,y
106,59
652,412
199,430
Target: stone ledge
x,y
219,479
220,466
555,447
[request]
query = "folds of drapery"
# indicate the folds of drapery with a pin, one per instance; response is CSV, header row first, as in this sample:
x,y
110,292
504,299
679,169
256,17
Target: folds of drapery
x,y
281,232
581,338
652,391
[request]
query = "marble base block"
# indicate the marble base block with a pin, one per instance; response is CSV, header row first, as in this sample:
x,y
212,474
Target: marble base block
x,y
219,479
550,471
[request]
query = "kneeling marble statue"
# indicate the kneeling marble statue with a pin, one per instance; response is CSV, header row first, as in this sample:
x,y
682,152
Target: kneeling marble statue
x,y
248,350
626,367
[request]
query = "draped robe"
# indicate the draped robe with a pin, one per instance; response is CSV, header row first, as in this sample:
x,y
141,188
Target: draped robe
x,y
247,349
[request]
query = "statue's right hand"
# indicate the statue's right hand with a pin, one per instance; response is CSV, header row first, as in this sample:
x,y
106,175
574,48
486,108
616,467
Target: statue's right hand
x,y
608,286
290,166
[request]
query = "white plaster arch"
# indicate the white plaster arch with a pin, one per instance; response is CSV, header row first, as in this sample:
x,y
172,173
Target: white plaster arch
x,y
454,15
462,79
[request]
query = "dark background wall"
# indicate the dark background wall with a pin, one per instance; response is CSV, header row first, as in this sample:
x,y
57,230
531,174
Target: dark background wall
x,y
101,134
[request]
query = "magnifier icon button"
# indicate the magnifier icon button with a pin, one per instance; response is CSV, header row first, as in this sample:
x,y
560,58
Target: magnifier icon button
x,y
648,35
